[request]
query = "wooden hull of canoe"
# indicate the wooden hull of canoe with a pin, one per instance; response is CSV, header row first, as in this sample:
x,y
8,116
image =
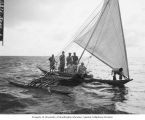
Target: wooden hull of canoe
x,y
111,82
52,89
66,81
89,80
70,81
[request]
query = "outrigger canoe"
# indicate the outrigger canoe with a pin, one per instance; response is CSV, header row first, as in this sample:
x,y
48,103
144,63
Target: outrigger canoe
x,y
102,36
65,77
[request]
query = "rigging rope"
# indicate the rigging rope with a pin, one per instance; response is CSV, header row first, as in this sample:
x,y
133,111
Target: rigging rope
x,y
96,24
88,61
83,27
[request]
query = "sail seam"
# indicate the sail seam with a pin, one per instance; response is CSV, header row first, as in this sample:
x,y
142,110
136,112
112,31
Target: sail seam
x,y
117,35
93,31
95,28
89,22
87,26
101,30
96,57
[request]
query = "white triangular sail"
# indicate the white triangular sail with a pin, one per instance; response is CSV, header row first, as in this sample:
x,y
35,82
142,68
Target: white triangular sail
x,y
104,37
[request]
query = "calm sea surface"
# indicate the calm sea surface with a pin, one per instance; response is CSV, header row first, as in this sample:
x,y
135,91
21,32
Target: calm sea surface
x,y
86,98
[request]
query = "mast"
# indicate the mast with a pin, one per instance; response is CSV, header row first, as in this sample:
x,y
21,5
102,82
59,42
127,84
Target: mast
x,y
93,31
123,37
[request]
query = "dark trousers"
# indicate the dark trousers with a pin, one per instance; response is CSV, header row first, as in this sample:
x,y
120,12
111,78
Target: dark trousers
x,y
114,77
61,68
120,77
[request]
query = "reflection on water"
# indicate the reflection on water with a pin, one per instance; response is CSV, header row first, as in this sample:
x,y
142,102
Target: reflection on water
x,y
103,95
88,98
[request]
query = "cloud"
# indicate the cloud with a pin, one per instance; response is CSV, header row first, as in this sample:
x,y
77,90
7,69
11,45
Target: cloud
x,y
47,24
18,11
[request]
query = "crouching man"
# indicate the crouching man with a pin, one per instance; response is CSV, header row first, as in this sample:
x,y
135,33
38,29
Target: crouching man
x,y
117,71
82,70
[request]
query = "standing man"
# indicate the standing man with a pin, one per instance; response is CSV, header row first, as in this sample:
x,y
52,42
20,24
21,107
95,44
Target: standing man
x,y
75,61
69,59
52,63
62,62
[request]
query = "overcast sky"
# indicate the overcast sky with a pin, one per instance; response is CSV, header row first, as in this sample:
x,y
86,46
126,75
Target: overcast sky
x,y
43,27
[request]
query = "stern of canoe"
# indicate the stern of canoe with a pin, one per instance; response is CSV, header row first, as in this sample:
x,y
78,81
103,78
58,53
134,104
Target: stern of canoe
x,y
111,82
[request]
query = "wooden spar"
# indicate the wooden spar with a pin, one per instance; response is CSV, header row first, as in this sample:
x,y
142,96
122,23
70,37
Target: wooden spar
x,y
123,38
84,51
93,32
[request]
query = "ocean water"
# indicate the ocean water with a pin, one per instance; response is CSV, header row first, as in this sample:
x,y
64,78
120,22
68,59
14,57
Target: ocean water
x,y
94,98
